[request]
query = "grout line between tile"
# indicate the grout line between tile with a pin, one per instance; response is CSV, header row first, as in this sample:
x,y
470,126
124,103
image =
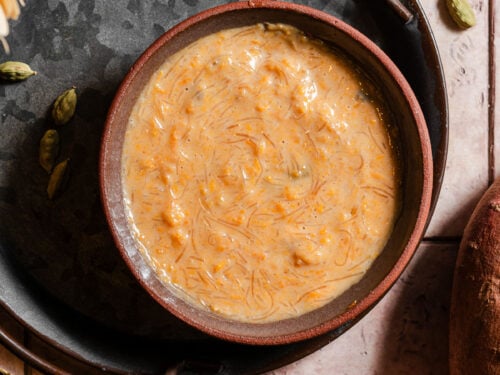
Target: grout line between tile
x,y
491,91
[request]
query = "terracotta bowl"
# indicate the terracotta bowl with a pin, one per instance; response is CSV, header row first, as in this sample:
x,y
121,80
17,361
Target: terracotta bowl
x,y
415,152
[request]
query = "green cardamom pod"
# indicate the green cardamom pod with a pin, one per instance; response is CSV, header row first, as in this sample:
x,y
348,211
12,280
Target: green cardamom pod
x,y
49,149
462,13
15,71
64,107
57,179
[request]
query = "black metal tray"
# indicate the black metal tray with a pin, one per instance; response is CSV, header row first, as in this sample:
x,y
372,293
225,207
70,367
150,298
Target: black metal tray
x,y
60,274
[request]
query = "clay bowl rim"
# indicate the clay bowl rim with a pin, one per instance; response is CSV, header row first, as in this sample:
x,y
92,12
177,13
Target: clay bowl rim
x,y
350,314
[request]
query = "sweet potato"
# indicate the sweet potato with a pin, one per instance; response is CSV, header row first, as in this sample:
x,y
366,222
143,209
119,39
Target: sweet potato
x,y
475,302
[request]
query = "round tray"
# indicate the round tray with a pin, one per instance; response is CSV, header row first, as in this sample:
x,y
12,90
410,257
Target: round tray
x,y
60,274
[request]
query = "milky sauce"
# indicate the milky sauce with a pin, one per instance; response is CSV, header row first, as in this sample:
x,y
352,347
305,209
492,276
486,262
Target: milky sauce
x,y
259,175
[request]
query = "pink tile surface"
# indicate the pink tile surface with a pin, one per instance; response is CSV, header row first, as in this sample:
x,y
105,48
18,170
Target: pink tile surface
x,y
464,55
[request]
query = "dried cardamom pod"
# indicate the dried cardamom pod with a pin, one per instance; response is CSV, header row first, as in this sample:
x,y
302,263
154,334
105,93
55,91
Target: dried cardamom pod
x,y
49,149
64,107
462,13
57,179
15,71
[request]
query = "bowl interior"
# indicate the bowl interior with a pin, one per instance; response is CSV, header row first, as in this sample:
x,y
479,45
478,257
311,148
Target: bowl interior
x,y
414,149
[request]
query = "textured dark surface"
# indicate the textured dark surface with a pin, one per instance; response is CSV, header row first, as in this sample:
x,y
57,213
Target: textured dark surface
x,y
60,271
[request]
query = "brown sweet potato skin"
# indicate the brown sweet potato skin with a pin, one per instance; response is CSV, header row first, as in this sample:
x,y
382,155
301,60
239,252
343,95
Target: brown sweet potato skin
x,y
475,302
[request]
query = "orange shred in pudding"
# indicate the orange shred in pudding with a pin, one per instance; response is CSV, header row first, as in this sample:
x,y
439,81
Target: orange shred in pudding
x,y
259,173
